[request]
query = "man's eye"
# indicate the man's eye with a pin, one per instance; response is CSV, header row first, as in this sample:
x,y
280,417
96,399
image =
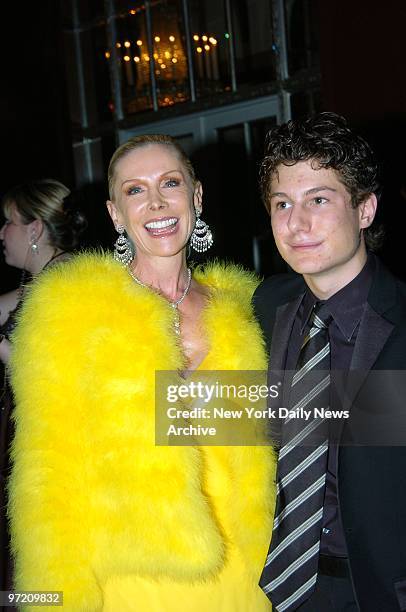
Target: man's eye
x,y
283,205
319,200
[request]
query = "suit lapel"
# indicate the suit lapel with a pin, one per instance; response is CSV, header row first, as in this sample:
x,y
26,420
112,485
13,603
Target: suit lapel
x,y
284,319
285,316
372,335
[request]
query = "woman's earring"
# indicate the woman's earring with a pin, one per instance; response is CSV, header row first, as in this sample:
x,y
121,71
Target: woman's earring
x,y
122,247
202,238
34,245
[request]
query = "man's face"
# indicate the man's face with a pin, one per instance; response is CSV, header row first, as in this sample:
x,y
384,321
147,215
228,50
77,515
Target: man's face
x,y
316,229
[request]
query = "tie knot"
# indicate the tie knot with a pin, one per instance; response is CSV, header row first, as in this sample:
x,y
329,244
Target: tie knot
x,y
320,318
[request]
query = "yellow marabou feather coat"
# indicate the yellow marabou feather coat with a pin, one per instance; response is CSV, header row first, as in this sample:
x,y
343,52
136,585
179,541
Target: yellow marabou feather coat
x,y
97,510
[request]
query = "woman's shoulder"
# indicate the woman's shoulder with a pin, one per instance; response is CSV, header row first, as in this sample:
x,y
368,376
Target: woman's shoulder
x,y
229,277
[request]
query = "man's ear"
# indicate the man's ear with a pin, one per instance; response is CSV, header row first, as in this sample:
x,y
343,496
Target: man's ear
x,y
198,197
367,211
114,213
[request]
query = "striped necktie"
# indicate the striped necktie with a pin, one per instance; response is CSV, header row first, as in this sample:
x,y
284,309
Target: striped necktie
x,y
290,572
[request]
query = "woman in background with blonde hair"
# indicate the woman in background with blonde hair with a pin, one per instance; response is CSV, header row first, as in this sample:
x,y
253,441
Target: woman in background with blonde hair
x,y
40,230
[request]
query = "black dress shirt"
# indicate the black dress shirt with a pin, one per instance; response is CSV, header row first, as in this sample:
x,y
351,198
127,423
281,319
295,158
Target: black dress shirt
x,y
346,308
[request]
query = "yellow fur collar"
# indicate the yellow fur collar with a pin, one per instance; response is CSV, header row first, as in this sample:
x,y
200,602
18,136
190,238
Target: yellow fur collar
x,y
91,495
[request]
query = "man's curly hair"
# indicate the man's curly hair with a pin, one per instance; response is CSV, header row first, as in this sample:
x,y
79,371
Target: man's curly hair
x,y
326,140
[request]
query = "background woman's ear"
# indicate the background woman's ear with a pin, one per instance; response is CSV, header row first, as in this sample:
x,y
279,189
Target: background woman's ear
x,y
36,230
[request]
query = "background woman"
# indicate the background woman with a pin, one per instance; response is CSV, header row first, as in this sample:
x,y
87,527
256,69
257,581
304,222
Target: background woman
x,y
98,510
40,230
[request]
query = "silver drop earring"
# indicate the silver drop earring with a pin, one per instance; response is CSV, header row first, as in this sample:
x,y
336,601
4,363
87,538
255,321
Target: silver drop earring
x,y
34,246
122,247
202,238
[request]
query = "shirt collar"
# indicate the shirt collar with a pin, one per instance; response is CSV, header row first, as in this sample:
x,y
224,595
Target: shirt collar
x,y
347,305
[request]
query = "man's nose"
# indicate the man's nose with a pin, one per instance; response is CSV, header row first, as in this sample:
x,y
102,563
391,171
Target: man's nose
x,y
299,219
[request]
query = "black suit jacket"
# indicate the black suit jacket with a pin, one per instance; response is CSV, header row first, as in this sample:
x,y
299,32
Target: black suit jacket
x,y
371,468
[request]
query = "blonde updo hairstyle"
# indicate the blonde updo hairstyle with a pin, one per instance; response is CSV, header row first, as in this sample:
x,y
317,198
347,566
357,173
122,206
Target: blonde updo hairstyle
x,y
46,200
136,142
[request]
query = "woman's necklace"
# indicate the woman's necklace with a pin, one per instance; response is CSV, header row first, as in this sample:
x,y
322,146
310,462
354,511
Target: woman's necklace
x,y
173,304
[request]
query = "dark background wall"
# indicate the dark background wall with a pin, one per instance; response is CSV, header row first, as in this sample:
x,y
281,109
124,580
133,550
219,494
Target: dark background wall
x,y
363,77
34,119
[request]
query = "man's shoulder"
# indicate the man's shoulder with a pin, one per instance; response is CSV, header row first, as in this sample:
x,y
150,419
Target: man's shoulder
x,y
272,293
388,292
279,289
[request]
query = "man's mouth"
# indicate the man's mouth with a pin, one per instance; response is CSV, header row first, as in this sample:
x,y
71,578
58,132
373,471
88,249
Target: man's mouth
x,y
304,245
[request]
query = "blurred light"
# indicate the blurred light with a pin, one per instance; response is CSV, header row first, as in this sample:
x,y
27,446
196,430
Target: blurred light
x,y
156,55
167,54
226,35
139,43
133,12
199,49
204,38
107,54
172,38
163,66
157,39
118,45
207,47
146,58
136,59
126,58
213,40
127,44
195,37
159,60
174,60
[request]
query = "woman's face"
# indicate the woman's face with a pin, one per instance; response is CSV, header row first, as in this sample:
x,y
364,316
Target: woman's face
x,y
155,200
16,237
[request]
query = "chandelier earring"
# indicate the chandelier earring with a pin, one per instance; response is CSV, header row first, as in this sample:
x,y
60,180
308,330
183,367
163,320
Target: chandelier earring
x,y
122,247
202,238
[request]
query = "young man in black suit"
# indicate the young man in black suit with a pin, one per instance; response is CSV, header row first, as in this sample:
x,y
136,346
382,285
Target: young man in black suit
x,y
339,537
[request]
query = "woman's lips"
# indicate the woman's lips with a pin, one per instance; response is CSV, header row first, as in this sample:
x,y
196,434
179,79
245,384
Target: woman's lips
x,y
159,228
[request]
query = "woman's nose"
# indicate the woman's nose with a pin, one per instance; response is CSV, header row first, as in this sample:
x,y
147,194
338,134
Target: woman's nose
x,y
157,201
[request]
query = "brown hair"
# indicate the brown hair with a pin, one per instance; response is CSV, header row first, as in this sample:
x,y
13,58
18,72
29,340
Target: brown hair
x,y
327,142
143,140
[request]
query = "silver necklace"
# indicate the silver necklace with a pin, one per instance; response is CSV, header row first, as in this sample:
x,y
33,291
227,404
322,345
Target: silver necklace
x,y
174,305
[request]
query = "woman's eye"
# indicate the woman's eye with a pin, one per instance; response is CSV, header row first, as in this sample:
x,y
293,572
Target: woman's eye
x,y
172,182
134,189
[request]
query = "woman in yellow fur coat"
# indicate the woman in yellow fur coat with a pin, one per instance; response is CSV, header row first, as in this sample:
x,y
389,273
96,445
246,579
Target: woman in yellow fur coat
x,y
97,510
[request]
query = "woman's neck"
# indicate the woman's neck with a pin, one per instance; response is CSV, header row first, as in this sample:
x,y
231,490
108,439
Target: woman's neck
x,y
166,274
36,262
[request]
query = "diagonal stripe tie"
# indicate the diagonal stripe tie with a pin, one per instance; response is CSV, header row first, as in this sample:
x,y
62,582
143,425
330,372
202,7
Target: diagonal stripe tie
x,y
290,571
